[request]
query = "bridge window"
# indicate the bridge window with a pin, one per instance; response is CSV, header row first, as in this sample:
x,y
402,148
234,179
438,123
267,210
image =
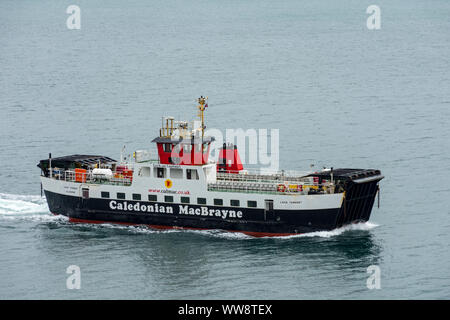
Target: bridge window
x,y
201,200
120,195
218,202
168,198
144,172
160,172
185,200
176,173
152,197
167,147
191,174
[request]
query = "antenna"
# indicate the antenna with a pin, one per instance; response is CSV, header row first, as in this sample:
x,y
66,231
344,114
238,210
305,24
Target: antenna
x,y
202,105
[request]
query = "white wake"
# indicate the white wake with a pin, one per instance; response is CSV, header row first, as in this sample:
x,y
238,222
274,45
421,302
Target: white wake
x,y
25,207
364,226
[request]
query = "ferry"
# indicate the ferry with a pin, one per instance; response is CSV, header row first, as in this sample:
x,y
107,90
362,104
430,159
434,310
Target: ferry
x,y
183,189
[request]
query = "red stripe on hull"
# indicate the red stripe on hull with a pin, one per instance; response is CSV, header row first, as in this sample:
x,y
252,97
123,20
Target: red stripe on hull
x,y
160,227
267,234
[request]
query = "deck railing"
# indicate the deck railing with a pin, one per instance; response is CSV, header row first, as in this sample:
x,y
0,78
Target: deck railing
x,y
88,177
280,188
271,177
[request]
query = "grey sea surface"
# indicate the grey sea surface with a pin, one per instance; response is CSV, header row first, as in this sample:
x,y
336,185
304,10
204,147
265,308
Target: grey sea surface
x,y
340,94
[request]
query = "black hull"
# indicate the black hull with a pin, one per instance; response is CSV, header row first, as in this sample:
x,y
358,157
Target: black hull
x,y
356,208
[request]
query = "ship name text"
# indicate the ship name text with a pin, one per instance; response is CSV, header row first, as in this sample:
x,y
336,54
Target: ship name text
x,y
182,209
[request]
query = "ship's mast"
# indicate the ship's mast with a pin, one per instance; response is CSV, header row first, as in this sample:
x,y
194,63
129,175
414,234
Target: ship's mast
x,y
174,135
202,104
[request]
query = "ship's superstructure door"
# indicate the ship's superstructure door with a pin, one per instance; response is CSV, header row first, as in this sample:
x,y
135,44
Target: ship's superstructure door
x,y
268,209
85,193
84,197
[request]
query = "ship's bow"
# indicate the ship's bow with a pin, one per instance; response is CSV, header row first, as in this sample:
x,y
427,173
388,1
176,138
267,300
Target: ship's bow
x,y
360,188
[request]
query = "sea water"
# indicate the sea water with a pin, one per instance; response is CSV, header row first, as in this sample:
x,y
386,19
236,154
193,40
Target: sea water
x,y
340,94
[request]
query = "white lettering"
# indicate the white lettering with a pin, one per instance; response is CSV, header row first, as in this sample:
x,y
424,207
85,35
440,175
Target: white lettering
x,y
204,211
183,209
224,214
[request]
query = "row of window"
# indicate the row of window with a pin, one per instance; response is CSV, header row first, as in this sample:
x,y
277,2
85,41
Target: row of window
x,y
154,197
174,173
187,148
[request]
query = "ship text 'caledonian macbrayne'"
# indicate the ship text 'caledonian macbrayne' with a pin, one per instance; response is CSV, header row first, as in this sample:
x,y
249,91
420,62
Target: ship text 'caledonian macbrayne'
x,y
183,189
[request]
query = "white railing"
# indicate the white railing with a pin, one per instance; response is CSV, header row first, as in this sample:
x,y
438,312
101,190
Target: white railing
x,y
274,177
88,177
274,187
